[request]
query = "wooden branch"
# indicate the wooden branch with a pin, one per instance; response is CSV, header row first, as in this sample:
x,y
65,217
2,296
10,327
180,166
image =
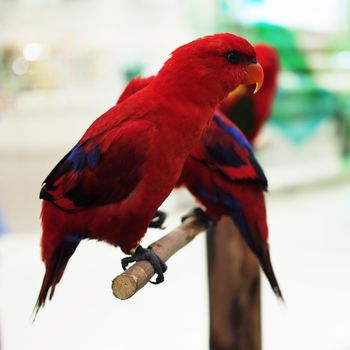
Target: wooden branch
x,y
134,278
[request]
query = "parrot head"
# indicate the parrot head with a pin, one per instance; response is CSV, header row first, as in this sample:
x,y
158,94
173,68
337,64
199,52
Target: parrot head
x,y
268,58
213,65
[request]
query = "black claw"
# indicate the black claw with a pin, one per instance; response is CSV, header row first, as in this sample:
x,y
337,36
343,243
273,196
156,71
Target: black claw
x,y
126,261
149,255
158,220
198,213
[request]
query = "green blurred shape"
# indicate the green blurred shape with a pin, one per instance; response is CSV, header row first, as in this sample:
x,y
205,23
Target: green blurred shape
x,y
299,110
298,113
285,42
342,122
300,106
132,70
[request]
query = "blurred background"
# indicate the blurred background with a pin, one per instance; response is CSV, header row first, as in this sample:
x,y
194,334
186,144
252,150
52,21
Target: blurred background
x,y
64,62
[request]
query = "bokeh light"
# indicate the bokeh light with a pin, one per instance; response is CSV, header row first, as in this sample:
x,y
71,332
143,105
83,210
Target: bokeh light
x,y
32,51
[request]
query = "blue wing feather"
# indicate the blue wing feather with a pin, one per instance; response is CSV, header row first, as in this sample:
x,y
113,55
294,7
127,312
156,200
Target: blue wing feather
x,y
79,158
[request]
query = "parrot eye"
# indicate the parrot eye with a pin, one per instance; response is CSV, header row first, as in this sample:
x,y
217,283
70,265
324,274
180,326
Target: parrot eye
x,y
233,57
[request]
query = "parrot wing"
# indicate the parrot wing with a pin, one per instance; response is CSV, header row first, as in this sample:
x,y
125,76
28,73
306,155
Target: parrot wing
x,y
102,169
226,150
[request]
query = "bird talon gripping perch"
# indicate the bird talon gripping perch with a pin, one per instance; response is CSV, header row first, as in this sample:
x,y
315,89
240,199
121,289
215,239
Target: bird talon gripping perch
x,y
199,214
158,220
149,255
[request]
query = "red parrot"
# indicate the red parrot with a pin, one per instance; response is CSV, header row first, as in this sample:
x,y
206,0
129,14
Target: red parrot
x,y
109,185
250,111
223,174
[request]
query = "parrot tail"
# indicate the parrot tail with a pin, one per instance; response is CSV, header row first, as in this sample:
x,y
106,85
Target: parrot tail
x,y
55,267
265,261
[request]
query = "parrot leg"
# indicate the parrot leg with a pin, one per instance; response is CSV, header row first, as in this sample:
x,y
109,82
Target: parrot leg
x,y
158,220
198,213
149,255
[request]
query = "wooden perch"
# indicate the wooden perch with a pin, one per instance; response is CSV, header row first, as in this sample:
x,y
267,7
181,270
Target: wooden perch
x,y
234,290
134,278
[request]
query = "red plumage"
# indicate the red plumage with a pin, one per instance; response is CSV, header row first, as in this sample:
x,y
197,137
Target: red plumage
x,y
250,111
109,186
133,86
224,176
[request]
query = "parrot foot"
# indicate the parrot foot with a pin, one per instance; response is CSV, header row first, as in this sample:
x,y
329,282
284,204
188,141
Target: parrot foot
x,y
149,255
199,214
158,220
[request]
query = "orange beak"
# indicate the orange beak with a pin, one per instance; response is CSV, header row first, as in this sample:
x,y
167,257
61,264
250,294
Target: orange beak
x,y
254,74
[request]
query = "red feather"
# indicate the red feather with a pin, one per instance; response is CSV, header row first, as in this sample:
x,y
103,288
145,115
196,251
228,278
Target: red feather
x,y
133,86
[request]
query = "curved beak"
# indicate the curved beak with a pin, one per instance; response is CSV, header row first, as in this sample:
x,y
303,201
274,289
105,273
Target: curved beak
x,y
254,74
